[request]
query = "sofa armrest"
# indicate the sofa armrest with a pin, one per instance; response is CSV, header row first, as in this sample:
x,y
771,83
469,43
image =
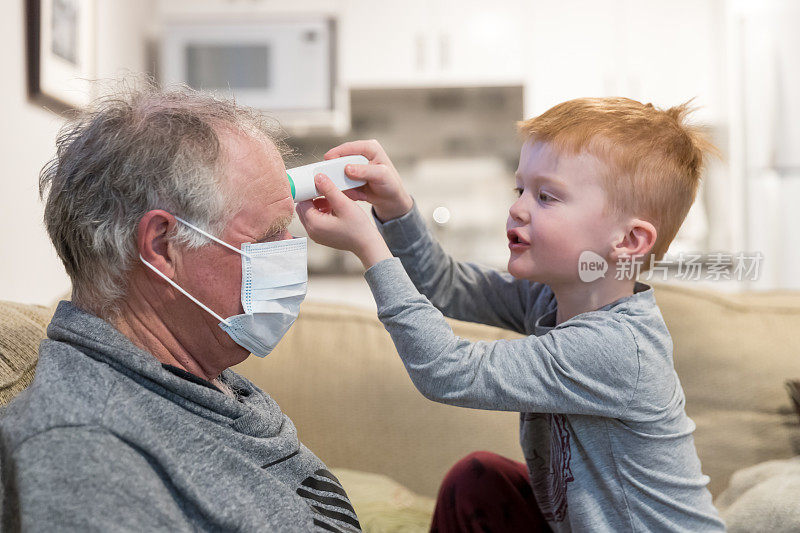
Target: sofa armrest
x,y
21,328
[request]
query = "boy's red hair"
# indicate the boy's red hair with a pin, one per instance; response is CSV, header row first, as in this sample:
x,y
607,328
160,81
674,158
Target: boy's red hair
x,y
653,158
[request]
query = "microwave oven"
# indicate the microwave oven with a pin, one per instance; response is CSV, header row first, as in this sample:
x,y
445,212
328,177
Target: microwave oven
x,y
287,68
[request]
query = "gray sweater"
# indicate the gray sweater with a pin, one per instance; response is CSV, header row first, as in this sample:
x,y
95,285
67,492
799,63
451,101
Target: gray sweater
x,y
602,426
107,438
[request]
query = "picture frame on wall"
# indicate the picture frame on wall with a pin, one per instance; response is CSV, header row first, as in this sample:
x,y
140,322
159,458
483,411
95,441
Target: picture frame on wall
x,y
61,52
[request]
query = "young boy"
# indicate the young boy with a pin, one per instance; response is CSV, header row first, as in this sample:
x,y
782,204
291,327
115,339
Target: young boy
x,y
607,443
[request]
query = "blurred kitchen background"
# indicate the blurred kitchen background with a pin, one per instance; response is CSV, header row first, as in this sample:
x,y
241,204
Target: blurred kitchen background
x,y
441,84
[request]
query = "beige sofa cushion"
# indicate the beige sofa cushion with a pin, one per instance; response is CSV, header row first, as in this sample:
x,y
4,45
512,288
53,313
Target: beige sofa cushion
x,y
338,377
763,498
383,505
21,328
733,354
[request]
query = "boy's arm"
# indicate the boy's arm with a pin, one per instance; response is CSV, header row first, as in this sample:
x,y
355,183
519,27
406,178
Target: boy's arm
x,y
461,290
590,366
464,291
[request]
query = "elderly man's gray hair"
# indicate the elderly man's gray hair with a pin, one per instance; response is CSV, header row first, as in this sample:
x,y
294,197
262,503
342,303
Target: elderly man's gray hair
x,y
132,152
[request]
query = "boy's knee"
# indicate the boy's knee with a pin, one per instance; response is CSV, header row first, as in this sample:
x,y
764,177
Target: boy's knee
x,y
472,471
487,492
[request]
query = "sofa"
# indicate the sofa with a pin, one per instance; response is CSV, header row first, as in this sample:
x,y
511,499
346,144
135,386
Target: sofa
x,y
337,375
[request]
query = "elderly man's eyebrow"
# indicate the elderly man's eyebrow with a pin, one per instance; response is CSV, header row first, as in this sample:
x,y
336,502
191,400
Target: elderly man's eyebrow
x,y
277,227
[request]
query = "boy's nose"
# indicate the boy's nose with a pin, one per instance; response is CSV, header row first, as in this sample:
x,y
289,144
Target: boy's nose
x,y
518,213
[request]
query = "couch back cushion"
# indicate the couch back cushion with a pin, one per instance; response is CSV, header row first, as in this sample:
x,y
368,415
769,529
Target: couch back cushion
x,y
21,328
733,354
337,375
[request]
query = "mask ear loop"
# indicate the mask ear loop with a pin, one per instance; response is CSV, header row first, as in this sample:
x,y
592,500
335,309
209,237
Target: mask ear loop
x,y
192,298
223,243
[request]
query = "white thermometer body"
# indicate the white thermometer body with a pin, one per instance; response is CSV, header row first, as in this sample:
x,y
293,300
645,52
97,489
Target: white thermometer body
x,y
301,179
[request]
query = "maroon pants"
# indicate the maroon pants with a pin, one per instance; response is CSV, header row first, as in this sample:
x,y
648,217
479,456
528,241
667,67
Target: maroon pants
x,y
485,492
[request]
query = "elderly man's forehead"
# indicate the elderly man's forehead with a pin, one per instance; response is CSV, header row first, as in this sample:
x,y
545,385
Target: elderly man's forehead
x,y
245,158
241,143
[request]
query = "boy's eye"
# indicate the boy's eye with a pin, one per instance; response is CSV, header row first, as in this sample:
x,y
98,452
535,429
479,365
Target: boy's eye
x,y
518,191
544,197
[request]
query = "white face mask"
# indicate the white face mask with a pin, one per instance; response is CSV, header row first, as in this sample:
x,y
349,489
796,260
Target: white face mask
x,y
274,276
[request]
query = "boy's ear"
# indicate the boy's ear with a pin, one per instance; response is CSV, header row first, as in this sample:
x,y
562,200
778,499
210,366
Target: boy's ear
x,y
638,239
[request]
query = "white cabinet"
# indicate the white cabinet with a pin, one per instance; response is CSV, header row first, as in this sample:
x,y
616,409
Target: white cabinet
x,y
660,51
382,43
431,43
664,51
570,52
673,52
482,41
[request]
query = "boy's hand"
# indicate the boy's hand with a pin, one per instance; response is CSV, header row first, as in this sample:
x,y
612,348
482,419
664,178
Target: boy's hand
x,y
337,221
384,188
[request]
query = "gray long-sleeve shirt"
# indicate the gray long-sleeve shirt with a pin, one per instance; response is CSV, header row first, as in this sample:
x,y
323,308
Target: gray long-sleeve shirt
x,y
107,438
603,428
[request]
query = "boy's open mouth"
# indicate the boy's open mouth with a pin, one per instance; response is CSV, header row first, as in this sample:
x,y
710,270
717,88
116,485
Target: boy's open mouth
x,y
514,240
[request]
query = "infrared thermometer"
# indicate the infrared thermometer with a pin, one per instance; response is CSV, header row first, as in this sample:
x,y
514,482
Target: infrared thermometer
x,y
301,179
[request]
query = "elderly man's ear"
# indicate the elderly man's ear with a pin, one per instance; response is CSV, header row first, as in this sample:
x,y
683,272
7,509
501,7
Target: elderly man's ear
x,y
638,238
151,238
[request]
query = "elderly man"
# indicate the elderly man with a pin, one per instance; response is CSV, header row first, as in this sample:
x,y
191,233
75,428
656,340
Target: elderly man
x,y
169,211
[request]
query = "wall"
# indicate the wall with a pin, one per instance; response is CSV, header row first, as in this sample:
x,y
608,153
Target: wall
x,y
765,117
561,65
30,270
